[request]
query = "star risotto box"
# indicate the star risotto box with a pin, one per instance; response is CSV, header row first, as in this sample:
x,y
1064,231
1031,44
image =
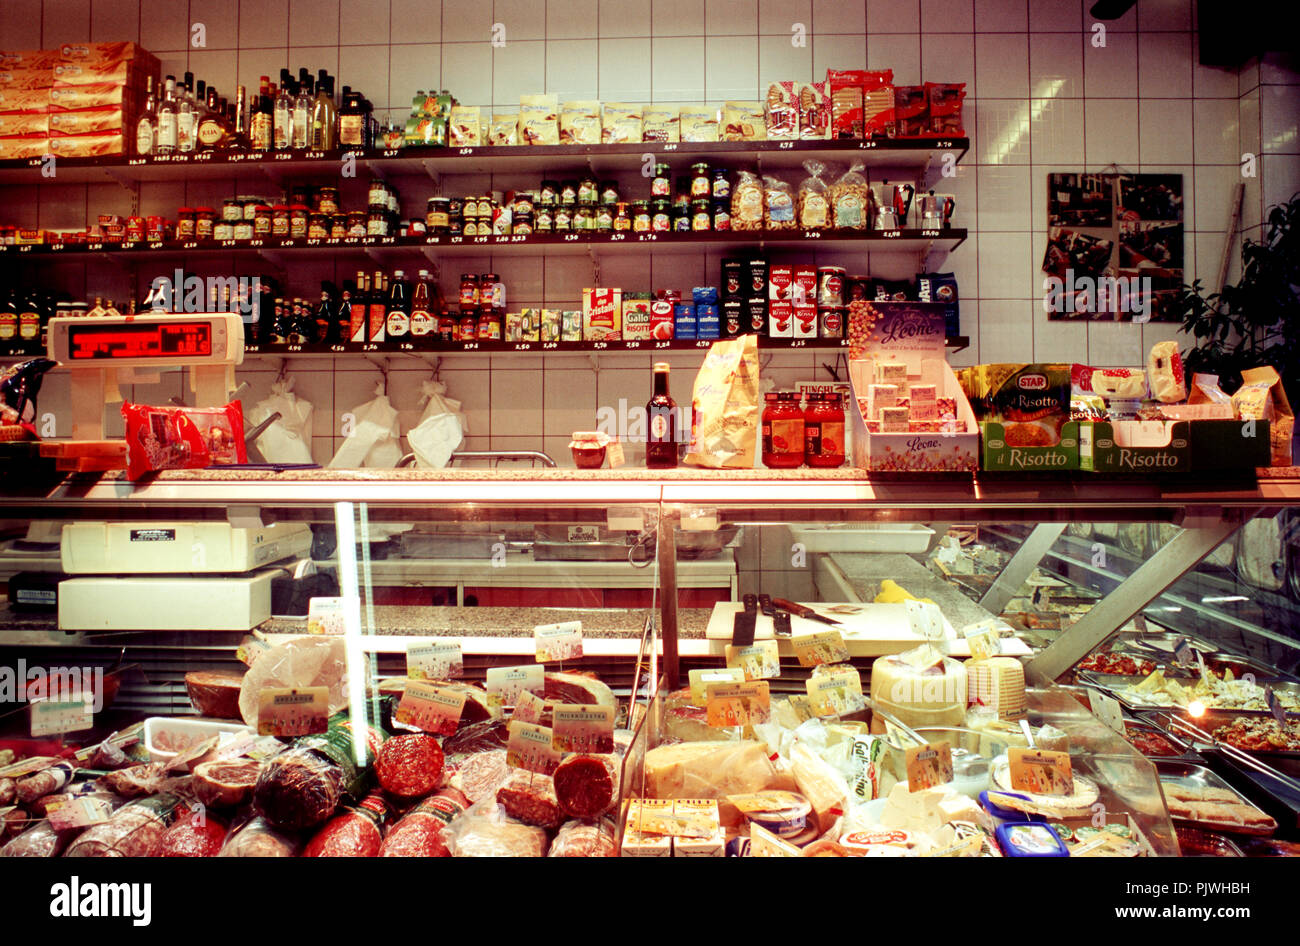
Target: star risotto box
x,y
911,334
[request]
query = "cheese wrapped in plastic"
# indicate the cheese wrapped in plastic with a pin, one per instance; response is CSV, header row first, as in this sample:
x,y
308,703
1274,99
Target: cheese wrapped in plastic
x,y
713,770
1165,373
819,782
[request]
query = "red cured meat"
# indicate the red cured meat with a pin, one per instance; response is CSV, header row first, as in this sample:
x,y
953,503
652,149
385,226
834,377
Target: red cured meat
x,y
132,831
297,789
586,786
214,694
481,775
193,834
530,798
583,839
419,832
258,839
477,737
578,688
410,766
355,833
8,791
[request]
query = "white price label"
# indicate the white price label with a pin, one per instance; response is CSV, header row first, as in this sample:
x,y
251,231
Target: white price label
x,y
441,660
50,717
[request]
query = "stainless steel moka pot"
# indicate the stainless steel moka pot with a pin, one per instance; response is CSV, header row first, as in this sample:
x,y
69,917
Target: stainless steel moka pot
x,y
893,204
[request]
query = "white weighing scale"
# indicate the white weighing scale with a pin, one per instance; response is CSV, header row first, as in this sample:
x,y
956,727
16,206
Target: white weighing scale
x,y
170,548
105,351
166,602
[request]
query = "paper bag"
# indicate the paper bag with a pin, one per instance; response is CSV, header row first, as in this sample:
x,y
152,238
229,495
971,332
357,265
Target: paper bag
x,y
373,441
1262,397
287,440
725,406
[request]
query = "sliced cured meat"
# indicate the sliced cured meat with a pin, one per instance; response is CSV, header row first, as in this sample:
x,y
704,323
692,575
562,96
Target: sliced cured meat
x,y
132,831
583,839
410,766
214,694
479,776
298,789
135,781
193,834
225,783
586,786
475,710
578,688
419,832
358,832
488,837
258,839
530,798
478,737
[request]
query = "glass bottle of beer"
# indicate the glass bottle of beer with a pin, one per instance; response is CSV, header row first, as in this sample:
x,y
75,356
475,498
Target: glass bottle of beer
x,y
661,424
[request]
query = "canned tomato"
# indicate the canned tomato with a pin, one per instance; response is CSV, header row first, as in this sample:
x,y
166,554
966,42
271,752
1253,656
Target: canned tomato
x,y
830,285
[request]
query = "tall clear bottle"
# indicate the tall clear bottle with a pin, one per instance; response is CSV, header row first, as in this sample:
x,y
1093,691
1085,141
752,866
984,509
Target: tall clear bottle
x,y
322,115
282,137
302,108
185,115
166,137
146,128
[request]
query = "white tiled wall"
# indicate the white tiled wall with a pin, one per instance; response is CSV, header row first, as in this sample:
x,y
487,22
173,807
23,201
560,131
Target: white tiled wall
x,y
1043,95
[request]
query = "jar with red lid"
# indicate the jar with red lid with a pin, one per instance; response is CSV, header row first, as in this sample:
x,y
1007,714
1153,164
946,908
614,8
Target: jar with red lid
x,y
824,431
156,229
469,290
299,216
262,221
204,218
469,323
185,223
783,431
280,220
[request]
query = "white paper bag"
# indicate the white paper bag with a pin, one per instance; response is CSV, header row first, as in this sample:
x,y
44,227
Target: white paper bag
x,y
373,441
287,440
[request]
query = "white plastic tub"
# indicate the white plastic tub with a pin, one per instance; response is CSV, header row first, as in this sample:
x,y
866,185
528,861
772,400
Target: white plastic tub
x,y
907,538
165,737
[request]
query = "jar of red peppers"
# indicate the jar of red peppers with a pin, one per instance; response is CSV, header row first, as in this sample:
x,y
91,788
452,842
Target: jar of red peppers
x,y
783,431
824,431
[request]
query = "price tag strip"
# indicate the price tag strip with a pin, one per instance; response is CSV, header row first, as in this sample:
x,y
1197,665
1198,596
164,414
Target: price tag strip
x,y
836,692
759,661
825,647
51,717
504,684
432,708
700,679
291,711
928,766
738,704
583,728
1040,771
531,747
441,660
555,642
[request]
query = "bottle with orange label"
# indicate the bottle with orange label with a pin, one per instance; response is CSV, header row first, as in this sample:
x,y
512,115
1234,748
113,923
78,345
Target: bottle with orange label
x,y
783,431
824,431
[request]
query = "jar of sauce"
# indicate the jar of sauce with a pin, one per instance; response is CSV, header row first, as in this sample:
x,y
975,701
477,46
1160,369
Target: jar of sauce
x,y
824,431
338,226
622,219
280,220
662,184
469,290
661,220
783,431
641,216
223,230
243,230
469,324
232,209
701,215
298,215
318,226
377,223
356,223
156,229
437,217
204,217
185,223
327,200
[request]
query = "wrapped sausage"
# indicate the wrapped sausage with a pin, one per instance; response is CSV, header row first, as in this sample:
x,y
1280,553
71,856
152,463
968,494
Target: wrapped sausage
x,y
40,840
8,791
192,834
132,831
419,833
485,831
45,782
584,839
257,838
358,832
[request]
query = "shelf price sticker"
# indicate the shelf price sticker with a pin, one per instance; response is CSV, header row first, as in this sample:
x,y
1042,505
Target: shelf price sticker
x,y
700,679
504,684
738,704
430,708
1040,771
836,692
759,661
50,717
583,728
928,766
441,660
983,638
292,711
555,642
825,647
81,812
531,747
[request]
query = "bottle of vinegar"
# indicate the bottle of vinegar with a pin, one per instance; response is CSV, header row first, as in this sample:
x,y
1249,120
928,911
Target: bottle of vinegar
x,y
661,424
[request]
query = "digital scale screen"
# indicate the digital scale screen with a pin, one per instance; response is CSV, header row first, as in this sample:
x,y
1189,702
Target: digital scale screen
x,y
157,340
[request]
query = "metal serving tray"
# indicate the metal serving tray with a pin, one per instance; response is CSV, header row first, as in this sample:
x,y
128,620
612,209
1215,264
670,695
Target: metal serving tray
x,y
1185,750
1224,846
1213,719
1114,684
1192,775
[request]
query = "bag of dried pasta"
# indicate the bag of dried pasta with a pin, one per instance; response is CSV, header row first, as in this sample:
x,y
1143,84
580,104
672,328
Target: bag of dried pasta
x,y
850,201
725,406
778,204
814,202
747,202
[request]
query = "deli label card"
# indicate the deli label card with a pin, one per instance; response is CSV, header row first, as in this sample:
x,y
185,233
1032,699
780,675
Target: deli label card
x,y
292,711
504,684
738,704
531,747
760,661
1040,771
824,647
583,728
556,642
431,708
441,660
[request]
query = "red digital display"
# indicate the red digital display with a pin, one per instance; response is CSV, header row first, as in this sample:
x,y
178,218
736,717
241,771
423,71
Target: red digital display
x,y
159,340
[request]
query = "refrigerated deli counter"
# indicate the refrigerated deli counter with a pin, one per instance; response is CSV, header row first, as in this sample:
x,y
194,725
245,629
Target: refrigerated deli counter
x,y
827,663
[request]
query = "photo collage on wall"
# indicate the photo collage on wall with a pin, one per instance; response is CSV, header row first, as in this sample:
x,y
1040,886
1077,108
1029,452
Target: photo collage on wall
x,y
1107,235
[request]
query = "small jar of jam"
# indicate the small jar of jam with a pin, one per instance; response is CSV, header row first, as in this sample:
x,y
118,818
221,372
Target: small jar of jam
x,y
469,324
824,431
721,184
377,222
469,289
701,181
681,219
415,227
641,216
318,226
682,196
327,200
622,219
662,184
280,220
298,215
357,223
223,230
243,230
783,431
661,220
262,222
437,217
701,215
204,218
338,226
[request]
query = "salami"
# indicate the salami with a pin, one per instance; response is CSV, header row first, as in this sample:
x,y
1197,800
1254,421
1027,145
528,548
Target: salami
x,y
132,831
192,834
258,839
410,766
302,786
586,786
44,782
135,781
479,776
355,833
8,791
530,798
419,832
585,839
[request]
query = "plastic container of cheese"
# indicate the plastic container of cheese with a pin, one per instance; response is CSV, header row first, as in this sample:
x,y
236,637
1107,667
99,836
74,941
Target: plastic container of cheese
x,y
1029,839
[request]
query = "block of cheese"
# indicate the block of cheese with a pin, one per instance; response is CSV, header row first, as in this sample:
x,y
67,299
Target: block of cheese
x,y
999,684
916,812
929,695
819,782
712,770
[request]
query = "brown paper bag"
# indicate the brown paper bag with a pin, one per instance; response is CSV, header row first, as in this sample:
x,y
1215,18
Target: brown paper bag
x,y
1272,406
724,406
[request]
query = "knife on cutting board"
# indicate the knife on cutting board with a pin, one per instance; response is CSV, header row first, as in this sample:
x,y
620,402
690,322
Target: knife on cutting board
x,y
803,611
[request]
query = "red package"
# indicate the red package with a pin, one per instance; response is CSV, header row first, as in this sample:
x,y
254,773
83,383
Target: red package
x,y
862,102
945,108
911,111
182,438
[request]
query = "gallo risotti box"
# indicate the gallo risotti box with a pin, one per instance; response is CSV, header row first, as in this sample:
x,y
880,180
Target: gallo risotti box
x,y
997,454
